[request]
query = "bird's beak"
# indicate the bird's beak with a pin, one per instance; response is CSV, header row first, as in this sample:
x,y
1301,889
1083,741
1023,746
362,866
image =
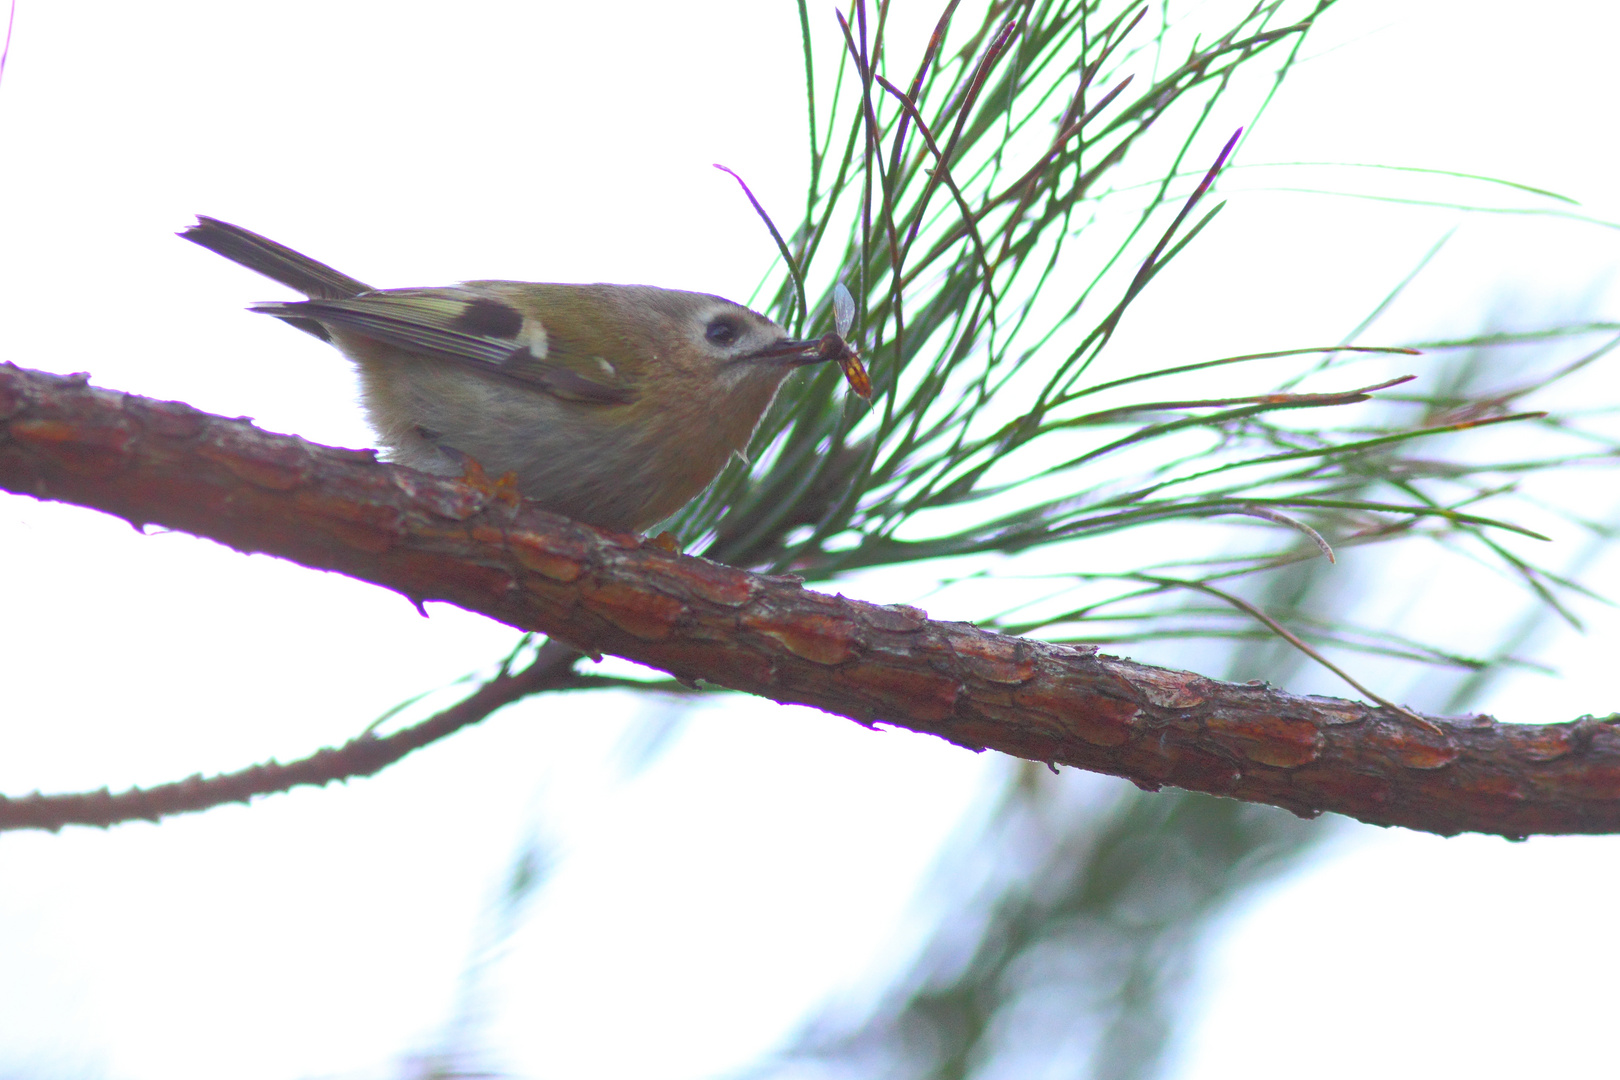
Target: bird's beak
x,y
799,353
819,350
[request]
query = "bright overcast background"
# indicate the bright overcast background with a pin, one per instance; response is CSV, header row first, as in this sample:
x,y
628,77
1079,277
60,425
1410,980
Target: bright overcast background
x,y
768,857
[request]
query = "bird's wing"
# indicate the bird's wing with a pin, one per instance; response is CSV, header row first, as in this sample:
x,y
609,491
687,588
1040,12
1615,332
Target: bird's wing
x,y
473,329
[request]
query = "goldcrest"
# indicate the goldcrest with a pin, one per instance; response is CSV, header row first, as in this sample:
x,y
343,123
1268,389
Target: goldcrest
x,y
611,404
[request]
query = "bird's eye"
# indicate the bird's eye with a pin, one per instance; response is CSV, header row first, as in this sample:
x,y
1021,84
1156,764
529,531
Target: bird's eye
x,y
722,331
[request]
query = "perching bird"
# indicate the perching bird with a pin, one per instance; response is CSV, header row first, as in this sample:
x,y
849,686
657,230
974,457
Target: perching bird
x,y
612,404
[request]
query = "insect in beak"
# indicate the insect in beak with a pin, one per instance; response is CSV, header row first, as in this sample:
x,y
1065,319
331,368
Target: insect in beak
x,y
832,345
848,358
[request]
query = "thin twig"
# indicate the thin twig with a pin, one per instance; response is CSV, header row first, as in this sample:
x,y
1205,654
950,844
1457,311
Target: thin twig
x,y
365,755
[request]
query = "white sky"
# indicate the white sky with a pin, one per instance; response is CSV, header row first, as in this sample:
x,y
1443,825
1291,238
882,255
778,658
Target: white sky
x,y
701,905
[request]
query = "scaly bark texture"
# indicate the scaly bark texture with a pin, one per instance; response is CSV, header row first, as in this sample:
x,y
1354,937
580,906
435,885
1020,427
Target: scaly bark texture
x,y
431,539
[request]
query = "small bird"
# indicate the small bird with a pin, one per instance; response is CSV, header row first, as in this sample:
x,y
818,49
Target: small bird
x,y
612,404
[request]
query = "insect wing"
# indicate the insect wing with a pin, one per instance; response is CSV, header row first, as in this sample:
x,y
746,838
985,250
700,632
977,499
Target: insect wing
x,y
843,310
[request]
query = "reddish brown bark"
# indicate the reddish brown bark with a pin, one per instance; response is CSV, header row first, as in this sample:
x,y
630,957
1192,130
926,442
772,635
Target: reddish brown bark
x,y
430,539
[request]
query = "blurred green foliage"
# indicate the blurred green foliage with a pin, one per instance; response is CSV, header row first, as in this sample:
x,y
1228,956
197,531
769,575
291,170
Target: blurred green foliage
x,y
997,202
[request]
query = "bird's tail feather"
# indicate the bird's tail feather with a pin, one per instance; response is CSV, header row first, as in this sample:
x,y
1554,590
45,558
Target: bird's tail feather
x,y
314,279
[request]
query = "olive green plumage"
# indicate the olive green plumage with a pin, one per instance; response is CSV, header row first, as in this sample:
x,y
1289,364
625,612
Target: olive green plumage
x,y
613,404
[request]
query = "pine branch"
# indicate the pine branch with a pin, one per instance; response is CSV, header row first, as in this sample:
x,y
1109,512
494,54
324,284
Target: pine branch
x,y
364,755
432,539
